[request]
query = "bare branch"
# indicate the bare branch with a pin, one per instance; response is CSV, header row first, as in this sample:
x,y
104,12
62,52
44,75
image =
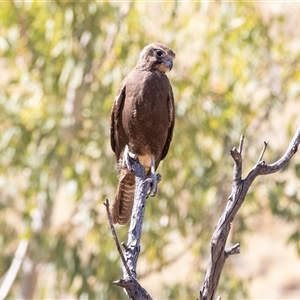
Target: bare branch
x,y
237,168
112,228
132,248
235,249
263,168
14,268
263,151
132,285
241,144
239,191
137,217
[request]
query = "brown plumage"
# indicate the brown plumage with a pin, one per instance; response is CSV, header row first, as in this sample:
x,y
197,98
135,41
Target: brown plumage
x,y
143,118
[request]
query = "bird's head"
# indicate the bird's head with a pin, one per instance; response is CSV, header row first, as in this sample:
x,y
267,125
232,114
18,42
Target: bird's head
x,y
157,57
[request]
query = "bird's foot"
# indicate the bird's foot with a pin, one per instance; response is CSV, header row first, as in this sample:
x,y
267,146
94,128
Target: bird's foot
x,y
153,181
127,157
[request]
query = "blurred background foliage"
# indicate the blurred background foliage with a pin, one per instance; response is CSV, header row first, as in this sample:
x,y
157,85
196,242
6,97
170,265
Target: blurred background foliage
x,y
236,72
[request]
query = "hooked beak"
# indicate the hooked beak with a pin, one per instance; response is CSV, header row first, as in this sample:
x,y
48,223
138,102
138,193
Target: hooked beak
x,y
169,64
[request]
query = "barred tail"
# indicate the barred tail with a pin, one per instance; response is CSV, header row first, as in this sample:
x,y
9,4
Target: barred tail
x,y
122,207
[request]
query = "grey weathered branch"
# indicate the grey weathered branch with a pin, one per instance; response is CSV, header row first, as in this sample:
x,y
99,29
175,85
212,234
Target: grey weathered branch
x,y
131,250
106,203
240,187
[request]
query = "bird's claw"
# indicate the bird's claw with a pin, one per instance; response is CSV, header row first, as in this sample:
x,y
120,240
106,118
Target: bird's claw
x,y
153,181
127,156
158,178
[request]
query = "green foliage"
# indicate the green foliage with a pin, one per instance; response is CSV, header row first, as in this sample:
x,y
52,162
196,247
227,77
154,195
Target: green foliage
x,y
61,65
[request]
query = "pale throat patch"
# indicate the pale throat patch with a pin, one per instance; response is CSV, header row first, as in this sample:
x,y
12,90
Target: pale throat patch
x,y
162,68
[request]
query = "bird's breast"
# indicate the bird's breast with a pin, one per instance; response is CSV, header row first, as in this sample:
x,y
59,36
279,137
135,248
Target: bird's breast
x,y
146,114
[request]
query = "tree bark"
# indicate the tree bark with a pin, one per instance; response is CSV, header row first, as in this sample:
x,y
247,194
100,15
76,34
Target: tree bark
x,y
240,187
131,250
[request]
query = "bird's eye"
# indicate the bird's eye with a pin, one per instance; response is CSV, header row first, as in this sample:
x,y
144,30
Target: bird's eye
x,y
159,53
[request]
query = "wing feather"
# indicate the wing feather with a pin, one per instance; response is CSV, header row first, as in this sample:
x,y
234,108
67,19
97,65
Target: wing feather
x,y
116,128
171,110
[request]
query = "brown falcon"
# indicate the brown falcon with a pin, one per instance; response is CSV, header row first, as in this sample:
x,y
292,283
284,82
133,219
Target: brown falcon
x,y
142,122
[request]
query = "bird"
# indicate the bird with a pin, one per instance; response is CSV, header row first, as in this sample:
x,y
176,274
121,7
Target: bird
x,y
142,123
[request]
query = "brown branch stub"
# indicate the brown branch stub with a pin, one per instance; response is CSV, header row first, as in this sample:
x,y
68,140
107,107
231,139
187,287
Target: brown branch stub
x,y
238,162
235,154
241,144
134,289
235,249
124,245
263,152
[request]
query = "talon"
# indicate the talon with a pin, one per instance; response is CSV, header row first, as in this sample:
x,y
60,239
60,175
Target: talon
x,y
127,155
153,180
158,177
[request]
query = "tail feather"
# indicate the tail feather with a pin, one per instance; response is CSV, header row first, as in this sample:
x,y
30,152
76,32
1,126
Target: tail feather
x,y
122,206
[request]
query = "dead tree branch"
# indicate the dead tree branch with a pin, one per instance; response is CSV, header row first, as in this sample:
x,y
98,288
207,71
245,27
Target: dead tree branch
x,y
240,187
131,250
